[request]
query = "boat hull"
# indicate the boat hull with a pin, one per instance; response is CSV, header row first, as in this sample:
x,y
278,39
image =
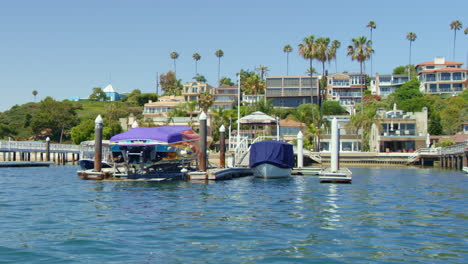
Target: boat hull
x,y
88,164
266,170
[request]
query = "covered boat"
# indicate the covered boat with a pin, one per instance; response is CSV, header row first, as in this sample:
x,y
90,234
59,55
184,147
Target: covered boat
x,y
148,152
271,159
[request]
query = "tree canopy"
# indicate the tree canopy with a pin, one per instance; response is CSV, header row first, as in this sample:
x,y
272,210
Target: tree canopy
x,y
170,84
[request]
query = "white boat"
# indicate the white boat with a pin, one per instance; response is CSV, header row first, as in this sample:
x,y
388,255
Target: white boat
x,y
465,169
271,159
266,170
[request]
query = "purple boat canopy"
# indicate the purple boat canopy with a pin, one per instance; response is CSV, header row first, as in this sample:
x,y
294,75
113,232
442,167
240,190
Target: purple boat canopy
x,y
155,135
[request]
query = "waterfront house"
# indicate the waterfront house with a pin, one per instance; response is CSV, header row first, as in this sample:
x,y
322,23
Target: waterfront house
x,y
290,128
291,91
350,141
224,97
399,131
346,88
386,84
442,77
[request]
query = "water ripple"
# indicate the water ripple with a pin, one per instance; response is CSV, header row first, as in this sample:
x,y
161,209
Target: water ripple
x,y
48,215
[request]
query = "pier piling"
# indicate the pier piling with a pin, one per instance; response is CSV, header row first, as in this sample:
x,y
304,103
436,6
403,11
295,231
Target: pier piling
x,y
98,144
203,138
222,147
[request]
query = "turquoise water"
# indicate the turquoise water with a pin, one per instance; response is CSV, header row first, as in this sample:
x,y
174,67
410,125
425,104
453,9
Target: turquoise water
x,y
48,215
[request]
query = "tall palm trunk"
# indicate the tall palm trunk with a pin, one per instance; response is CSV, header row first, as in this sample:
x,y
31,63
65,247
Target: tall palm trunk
x,y
196,67
371,61
219,67
409,65
287,63
175,68
454,41
362,107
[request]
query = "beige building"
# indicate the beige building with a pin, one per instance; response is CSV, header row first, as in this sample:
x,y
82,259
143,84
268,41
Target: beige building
x,y
399,131
162,106
192,90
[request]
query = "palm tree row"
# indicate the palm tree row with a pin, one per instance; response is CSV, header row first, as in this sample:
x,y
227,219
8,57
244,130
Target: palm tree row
x,y
320,49
196,56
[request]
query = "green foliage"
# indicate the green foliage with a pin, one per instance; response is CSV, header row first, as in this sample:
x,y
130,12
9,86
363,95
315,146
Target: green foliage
x,y
110,129
205,100
332,108
224,81
403,70
17,121
263,106
82,132
447,142
199,78
407,95
54,116
170,84
98,94
140,99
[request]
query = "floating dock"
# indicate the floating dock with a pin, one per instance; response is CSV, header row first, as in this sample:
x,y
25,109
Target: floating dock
x,y
306,171
26,163
212,174
343,175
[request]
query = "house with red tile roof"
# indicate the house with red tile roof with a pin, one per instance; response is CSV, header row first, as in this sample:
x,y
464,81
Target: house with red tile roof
x,y
442,77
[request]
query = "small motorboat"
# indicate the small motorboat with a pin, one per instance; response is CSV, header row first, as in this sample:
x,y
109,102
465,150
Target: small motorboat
x,y
465,169
271,159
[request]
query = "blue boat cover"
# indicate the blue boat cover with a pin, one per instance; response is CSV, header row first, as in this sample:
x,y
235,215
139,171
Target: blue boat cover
x,y
274,152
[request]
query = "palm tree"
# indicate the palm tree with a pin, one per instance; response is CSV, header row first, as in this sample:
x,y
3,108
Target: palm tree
x,y
324,52
255,85
371,25
287,49
360,50
307,51
262,70
205,100
34,92
174,55
411,36
196,57
219,53
455,25
334,47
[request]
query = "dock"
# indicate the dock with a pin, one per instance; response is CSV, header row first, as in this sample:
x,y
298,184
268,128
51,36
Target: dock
x,y
26,163
343,175
306,171
108,174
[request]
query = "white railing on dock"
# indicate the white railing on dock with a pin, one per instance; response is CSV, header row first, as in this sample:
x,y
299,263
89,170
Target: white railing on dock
x,y
6,145
455,149
423,151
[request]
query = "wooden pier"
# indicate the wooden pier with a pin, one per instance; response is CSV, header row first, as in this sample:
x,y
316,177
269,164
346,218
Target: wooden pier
x,y
29,151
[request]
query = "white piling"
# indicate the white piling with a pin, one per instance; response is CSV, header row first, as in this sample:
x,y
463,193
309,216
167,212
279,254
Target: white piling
x,y
335,145
300,156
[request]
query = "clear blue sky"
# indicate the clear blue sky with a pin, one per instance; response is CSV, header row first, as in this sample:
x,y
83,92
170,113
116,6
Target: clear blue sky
x,y
65,48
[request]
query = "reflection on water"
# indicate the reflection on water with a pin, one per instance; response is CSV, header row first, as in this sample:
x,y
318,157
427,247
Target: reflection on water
x,y
386,216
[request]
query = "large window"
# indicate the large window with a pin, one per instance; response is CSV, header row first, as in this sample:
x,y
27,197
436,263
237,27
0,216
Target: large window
x,y
291,82
385,79
445,87
340,82
273,82
445,76
430,77
457,87
433,88
457,76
